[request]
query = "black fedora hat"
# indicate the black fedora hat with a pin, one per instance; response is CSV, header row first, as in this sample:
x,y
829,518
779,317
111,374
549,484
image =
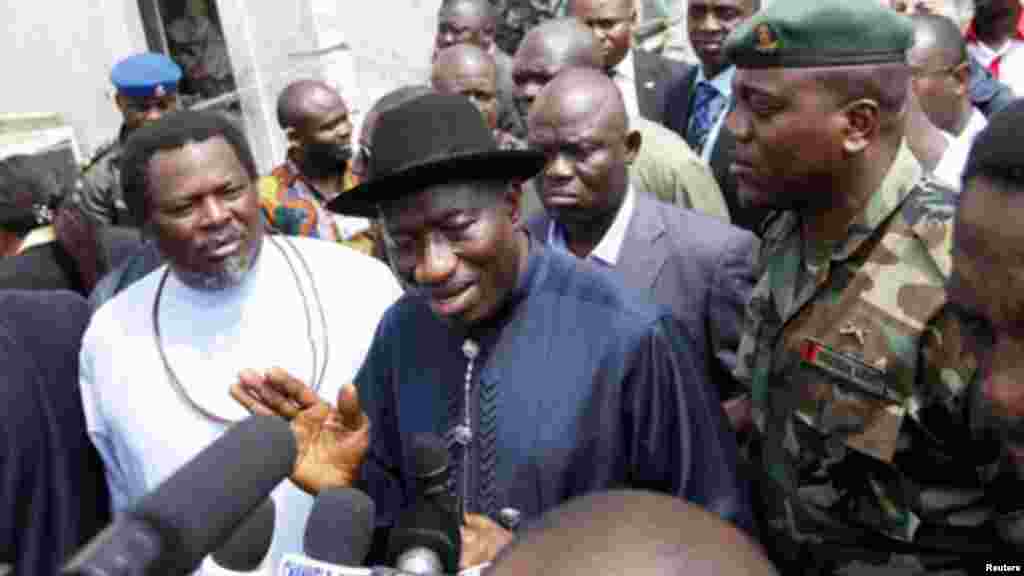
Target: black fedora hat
x,y
430,140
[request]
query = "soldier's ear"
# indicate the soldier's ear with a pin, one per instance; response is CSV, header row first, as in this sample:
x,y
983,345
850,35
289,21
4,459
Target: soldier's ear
x,y
861,126
119,101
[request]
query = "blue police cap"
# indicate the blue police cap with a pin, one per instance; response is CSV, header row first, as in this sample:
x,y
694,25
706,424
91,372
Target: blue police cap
x,y
145,75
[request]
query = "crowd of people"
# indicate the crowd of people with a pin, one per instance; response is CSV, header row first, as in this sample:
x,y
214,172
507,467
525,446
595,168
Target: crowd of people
x,y
754,315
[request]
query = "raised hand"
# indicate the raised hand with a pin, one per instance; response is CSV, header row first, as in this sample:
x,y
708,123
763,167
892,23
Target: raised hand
x,y
332,440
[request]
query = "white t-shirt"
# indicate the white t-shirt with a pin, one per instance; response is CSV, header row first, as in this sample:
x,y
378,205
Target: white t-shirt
x,y
954,160
138,421
1011,64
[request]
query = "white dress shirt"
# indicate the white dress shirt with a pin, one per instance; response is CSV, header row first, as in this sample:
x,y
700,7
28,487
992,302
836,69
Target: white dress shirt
x,y
623,74
1011,65
951,166
608,249
723,83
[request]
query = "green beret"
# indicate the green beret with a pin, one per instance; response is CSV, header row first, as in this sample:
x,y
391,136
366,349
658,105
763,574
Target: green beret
x,y
820,33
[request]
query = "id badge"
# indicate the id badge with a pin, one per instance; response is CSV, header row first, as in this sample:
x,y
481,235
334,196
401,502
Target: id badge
x,y
844,397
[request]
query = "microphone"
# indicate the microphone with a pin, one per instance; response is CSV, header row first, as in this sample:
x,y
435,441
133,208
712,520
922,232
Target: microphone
x,y
338,536
426,539
429,464
340,527
245,550
171,530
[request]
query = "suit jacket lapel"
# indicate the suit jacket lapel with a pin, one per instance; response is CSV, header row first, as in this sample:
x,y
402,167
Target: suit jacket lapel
x,y
647,71
644,249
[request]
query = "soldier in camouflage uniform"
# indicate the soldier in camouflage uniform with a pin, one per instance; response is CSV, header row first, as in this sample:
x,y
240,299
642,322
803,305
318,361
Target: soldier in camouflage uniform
x,y
147,86
864,451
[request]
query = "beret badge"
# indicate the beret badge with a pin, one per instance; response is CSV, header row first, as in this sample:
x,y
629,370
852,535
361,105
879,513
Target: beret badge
x,y
766,41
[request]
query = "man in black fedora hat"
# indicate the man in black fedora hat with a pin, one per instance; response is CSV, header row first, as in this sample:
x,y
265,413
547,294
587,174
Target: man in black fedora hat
x,y
548,378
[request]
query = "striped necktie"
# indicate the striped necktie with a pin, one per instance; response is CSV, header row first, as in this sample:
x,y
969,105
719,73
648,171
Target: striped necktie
x,y
707,105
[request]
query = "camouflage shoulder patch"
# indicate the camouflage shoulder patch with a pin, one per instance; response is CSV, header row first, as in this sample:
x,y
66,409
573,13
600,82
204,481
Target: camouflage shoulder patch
x,y
929,213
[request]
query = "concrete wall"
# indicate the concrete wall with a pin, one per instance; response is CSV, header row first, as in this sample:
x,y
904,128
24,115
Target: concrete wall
x,y
57,55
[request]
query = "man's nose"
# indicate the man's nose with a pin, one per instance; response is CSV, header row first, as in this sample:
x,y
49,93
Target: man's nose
x,y
214,212
436,263
710,22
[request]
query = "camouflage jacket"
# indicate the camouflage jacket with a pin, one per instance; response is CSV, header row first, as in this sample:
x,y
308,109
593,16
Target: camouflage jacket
x,y
100,196
861,397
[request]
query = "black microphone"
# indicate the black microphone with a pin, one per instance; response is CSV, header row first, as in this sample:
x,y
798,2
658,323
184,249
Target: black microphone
x,y
426,539
194,511
245,550
429,464
340,527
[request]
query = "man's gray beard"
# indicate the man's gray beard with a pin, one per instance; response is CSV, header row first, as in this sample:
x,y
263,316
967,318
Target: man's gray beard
x,y
234,272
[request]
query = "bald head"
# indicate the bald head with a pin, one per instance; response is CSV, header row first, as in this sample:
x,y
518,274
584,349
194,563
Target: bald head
x,y
580,95
465,22
303,100
469,71
548,49
937,39
631,533
563,41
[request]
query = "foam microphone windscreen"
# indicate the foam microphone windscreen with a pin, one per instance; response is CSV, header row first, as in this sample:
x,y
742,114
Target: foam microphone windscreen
x,y
245,550
197,508
429,525
340,527
429,459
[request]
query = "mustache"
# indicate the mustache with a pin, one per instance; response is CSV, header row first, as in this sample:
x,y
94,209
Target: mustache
x,y
221,237
438,291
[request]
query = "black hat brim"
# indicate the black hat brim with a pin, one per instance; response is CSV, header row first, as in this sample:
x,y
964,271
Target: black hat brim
x,y
364,200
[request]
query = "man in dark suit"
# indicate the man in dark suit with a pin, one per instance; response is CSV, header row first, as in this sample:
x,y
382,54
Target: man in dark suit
x,y
640,75
697,102
698,266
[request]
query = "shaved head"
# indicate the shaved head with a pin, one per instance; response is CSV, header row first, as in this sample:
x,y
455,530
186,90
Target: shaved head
x,y
631,533
580,95
304,99
469,71
937,39
564,41
465,22
548,49
480,9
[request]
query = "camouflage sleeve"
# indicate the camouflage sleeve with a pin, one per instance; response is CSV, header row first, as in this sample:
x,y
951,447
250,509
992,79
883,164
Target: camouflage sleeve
x,y
95,196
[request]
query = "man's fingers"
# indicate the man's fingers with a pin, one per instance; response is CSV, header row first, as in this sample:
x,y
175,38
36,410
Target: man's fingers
x,y
477,522
249,400
349,411
291,387
281,405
